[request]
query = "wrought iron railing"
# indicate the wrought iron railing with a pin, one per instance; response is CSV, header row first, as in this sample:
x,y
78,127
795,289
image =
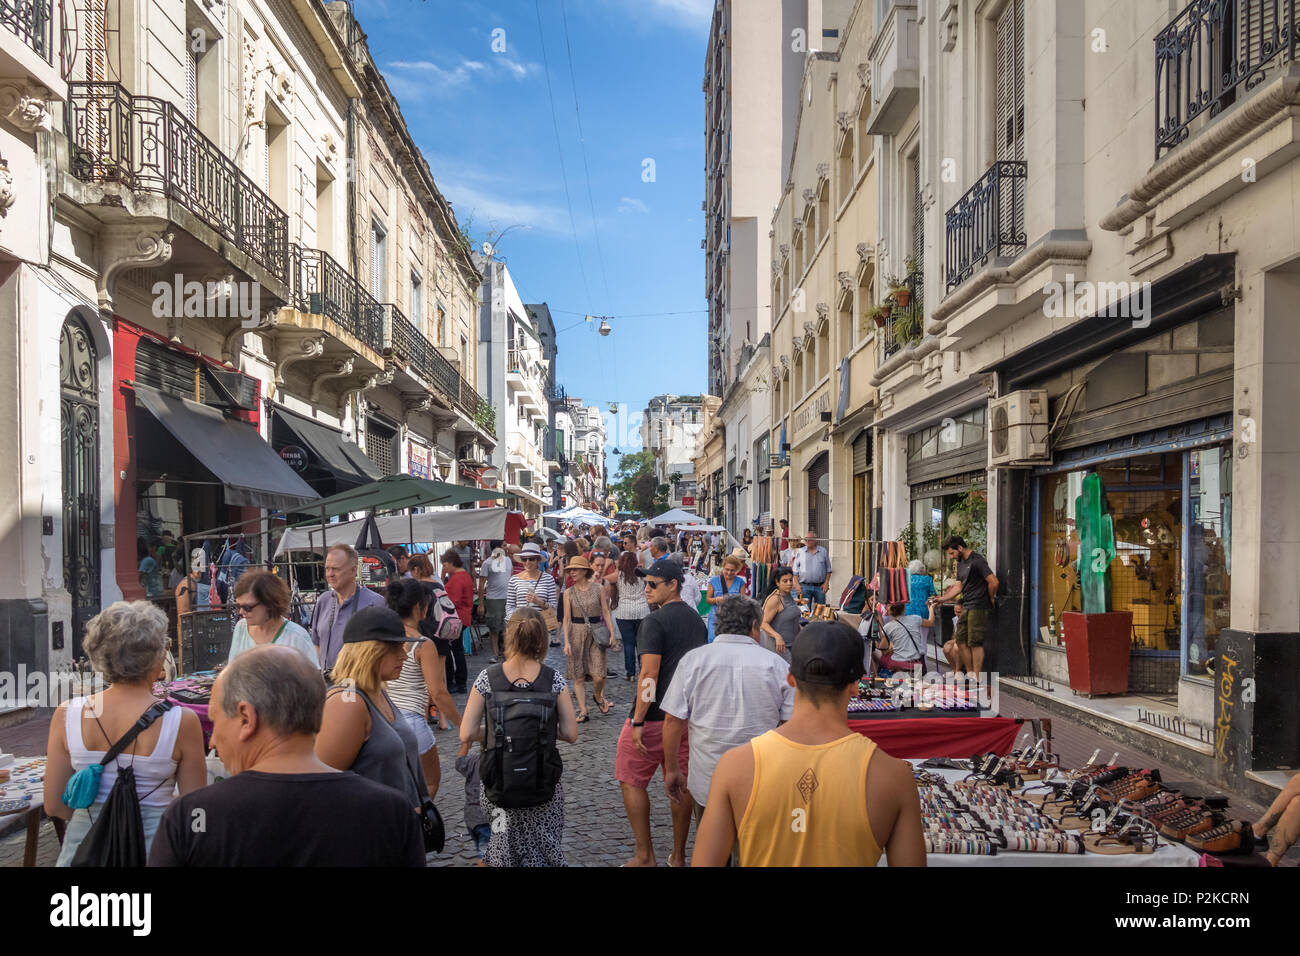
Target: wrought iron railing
x,y
323,287
988,221
906,323
1209,52
403,339
149,145
31,21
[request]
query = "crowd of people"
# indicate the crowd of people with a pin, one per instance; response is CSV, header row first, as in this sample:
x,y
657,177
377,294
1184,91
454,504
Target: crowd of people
x,y
739,702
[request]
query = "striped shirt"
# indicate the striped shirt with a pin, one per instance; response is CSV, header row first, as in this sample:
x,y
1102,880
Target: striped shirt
x,y
520,587
632,604
409,692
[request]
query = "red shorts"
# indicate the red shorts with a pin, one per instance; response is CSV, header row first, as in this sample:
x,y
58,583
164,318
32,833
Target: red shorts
x,y
893,665
635,769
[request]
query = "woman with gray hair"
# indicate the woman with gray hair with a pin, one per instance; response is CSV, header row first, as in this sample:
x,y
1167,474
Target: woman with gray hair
x,y
127,643
920,588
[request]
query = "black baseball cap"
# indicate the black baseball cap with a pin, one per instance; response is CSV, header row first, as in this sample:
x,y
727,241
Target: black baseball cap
x,y
665,568
376,624
827,652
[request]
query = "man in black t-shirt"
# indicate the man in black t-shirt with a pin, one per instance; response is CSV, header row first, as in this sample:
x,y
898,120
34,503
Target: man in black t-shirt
x,y
281,806
665,636
978,586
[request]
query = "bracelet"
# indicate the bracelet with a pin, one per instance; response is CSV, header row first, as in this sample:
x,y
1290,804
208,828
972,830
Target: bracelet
x,y
638,723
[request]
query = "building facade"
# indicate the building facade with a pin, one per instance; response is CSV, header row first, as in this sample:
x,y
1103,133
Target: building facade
x,y
670,426
1111,253
824,347
222,302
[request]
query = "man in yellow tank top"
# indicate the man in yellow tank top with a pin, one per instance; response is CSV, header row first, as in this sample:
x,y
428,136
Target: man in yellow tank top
x,y
813,792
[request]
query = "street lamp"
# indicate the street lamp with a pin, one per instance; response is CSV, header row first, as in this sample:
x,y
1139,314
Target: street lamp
x,y
604,327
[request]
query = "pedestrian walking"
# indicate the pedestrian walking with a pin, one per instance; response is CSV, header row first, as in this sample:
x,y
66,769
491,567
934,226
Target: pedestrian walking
x,y
262,602
630,608
666,635
494,581
126,642
281,805
422,678
782,614
722,586
460,588
726,693
336,606
529,831
812,569
530,587
361,728
586,609
852,801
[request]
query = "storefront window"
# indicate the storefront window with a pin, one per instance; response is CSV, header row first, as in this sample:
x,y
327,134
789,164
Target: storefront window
x,y
1156,515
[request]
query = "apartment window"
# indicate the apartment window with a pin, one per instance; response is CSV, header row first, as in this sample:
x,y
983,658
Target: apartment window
x,y
417,299
1009,103
324,209
442,324
823,211
380,446
918,209
844,168
378,260
275,156
191,81
464,355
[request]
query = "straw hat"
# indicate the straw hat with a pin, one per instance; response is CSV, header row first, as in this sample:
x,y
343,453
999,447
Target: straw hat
x,y
578,564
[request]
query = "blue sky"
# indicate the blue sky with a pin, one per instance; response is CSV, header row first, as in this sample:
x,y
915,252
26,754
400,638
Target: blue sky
x,y
483,118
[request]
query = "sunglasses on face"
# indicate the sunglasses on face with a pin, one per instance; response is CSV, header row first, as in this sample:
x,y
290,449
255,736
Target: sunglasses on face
x,y
247,608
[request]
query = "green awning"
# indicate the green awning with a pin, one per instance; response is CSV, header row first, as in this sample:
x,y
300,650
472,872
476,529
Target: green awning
x,y
396,492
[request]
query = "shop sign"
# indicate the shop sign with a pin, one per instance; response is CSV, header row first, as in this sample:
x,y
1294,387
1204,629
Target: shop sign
x,y
418,457
295,457
688,501
811,414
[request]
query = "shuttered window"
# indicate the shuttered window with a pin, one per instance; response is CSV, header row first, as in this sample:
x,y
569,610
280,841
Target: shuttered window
x,y
380,440
191,81
862,453
1009,115
918,211
169,371
819,503
378,260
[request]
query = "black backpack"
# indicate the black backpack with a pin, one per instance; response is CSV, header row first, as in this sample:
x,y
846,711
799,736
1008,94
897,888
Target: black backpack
x,y
521,763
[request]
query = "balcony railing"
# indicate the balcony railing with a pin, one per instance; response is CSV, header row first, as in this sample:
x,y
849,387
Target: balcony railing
x,y
149,145
906,322
323,287
1210,51
988,221
30,21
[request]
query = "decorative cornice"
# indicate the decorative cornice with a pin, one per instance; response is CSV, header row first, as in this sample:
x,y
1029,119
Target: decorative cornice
x,y
307,349
823,172
842,119
809,196
864,74
785,250
342,369
7,196
128,247
1264,108
822,311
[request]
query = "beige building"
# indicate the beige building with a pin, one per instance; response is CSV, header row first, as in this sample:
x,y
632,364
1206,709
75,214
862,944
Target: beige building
x,y
209,326
824,280
710,444
1109,254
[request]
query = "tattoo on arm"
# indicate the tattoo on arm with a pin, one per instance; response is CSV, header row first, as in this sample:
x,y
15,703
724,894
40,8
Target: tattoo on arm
x,y
1270,821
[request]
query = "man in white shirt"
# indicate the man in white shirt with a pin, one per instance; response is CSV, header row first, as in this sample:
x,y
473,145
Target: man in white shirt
x,y
787,554
728,692
812,569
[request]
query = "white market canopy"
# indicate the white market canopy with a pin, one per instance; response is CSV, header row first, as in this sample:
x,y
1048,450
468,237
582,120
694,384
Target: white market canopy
x,y
477,524
579,516
676,516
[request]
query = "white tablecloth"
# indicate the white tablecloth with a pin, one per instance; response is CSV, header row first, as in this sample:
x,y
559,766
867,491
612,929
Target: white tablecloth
x,y
1167,854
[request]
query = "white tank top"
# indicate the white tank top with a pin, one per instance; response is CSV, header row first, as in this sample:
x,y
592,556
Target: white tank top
x,y
155,774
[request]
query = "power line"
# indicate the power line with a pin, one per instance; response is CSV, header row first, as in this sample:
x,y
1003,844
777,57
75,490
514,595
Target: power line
x,y
555,122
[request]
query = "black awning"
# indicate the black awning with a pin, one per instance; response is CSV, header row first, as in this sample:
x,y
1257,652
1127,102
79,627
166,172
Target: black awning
x,y
342,460
252,473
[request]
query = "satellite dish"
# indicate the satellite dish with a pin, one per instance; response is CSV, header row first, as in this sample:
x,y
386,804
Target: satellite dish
x,y
824,484
491,476
487,249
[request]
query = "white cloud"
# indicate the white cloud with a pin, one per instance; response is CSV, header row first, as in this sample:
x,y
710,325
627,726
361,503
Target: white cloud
x,y
492,207
517,69
436,78
627,204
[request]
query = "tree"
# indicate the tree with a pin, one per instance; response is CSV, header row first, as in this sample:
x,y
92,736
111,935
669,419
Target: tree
x,y
633,465
645,493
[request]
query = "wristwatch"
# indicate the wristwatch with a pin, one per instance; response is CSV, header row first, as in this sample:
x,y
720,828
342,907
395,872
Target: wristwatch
x,y
638,723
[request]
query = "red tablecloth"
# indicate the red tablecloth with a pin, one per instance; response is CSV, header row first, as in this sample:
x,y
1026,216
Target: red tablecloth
x,y
940,736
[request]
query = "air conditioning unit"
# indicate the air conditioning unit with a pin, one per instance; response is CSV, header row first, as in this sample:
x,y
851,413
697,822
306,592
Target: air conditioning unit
x,y
1018,427
473,452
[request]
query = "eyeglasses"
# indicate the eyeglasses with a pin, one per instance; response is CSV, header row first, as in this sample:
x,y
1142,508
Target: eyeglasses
x,y
531,560
247,608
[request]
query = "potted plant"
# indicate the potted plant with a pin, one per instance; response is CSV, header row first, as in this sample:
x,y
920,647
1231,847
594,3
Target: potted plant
x,y
899,291
878,314
1097,640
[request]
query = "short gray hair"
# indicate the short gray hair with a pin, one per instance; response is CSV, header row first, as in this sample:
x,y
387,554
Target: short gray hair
x,y
660,544
738,614
285,690
126,641
603,543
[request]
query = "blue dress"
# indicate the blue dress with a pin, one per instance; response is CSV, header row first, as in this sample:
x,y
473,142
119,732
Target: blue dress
x,y
737,586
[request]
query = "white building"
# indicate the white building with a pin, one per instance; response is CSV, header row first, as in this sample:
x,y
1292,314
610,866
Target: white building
x,y
514,374
580,437
670,426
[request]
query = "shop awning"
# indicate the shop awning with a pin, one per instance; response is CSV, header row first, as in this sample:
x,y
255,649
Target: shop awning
x,y
252,473
343,459
486,524
396,492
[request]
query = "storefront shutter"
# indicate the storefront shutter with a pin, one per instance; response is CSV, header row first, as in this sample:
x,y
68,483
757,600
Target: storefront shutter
x,y
818,503
167,370
862,453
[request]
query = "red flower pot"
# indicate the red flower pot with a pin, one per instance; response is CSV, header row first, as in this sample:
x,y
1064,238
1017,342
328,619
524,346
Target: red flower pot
x,y
1097,648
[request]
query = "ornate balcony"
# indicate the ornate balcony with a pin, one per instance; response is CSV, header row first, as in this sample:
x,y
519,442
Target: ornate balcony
x,y
320,286
30,21
987,222
148,145
1212,53
906,323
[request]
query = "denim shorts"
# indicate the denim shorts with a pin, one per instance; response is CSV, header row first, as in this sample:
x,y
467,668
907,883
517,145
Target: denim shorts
x,y
423,733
